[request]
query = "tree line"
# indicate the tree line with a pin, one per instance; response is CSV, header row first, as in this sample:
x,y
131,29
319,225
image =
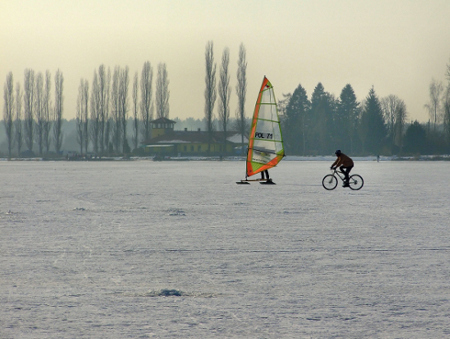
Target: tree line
x,y
104,107
224,91
310,126
322,123
103,113
29,115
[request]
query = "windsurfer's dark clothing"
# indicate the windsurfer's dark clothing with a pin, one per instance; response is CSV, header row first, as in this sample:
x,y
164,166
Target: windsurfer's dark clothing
x,y
266,173
346,164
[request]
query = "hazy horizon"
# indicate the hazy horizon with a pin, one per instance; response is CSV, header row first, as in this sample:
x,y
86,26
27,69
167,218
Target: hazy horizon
x,y
396,47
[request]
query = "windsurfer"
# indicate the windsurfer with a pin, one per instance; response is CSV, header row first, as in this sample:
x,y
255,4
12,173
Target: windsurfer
x,y
265,174
346,164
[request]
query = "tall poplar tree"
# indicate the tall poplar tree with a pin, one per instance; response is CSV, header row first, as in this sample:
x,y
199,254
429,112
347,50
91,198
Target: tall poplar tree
x,y
224,94
28,99
46,112
58,111
162,92
18,119
38,109
146,99
82,115
241,91
8,110
135,111
210,90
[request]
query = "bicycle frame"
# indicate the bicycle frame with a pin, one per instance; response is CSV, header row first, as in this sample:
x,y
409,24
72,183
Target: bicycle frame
x,y
339,174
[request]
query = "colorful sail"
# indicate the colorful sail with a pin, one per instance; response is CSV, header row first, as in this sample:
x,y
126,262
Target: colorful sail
x,y
265,148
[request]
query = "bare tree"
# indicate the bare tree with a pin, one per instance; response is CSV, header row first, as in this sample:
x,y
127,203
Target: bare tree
x,y
146,99
95,124
434,104
446,109
135,111
46,109
389,105
18,119
210,90
124,83
162,92
224,94
241,91
400,120
104,79
393,108
29,108
8,110
106,116
79,115
38,111
116,110
82,115
85,117
58,111
446,105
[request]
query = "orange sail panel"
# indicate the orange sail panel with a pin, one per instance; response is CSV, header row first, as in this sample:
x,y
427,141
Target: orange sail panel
x,y
265,147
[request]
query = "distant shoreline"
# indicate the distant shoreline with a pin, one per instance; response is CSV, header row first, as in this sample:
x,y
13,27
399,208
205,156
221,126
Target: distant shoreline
x,y
236,158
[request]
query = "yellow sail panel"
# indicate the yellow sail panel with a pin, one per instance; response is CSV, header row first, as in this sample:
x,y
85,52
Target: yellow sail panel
x,y
265,148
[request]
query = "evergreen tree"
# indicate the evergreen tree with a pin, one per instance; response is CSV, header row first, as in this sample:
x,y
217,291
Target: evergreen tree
x,y
346,119
372,129
295,122
320,121
415,138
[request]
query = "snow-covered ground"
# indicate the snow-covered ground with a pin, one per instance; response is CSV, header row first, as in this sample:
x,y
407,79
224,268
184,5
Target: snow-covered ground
x,y
88,250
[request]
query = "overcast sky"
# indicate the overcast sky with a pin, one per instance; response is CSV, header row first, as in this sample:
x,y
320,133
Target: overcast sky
x,y
396,46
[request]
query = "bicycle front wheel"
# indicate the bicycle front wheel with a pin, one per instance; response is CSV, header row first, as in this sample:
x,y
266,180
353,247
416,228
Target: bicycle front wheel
x,y
329,182
356,182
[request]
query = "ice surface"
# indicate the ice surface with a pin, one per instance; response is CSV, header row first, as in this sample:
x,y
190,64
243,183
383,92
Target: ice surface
x,y
90,249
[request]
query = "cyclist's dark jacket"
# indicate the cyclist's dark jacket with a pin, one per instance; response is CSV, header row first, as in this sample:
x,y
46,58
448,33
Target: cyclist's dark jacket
x,y
343,160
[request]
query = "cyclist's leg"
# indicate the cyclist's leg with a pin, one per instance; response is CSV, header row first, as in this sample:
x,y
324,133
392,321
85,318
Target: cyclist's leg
x,y
346,171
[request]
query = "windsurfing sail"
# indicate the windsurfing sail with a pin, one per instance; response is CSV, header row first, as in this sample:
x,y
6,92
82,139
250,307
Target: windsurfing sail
x,y
265,147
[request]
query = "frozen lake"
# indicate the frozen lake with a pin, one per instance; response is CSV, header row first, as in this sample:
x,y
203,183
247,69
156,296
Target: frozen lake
x,y
87,247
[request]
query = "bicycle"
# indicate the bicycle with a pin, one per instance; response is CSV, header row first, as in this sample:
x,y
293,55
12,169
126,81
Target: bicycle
x,y
330,181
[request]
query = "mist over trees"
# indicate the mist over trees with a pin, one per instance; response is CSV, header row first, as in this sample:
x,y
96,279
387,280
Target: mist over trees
x,y
110,113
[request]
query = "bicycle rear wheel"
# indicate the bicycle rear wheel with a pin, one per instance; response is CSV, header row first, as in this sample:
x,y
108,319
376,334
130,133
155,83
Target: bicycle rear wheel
x,y
356,182
329,182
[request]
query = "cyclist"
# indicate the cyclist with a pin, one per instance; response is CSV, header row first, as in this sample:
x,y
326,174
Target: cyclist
x,y
346,164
